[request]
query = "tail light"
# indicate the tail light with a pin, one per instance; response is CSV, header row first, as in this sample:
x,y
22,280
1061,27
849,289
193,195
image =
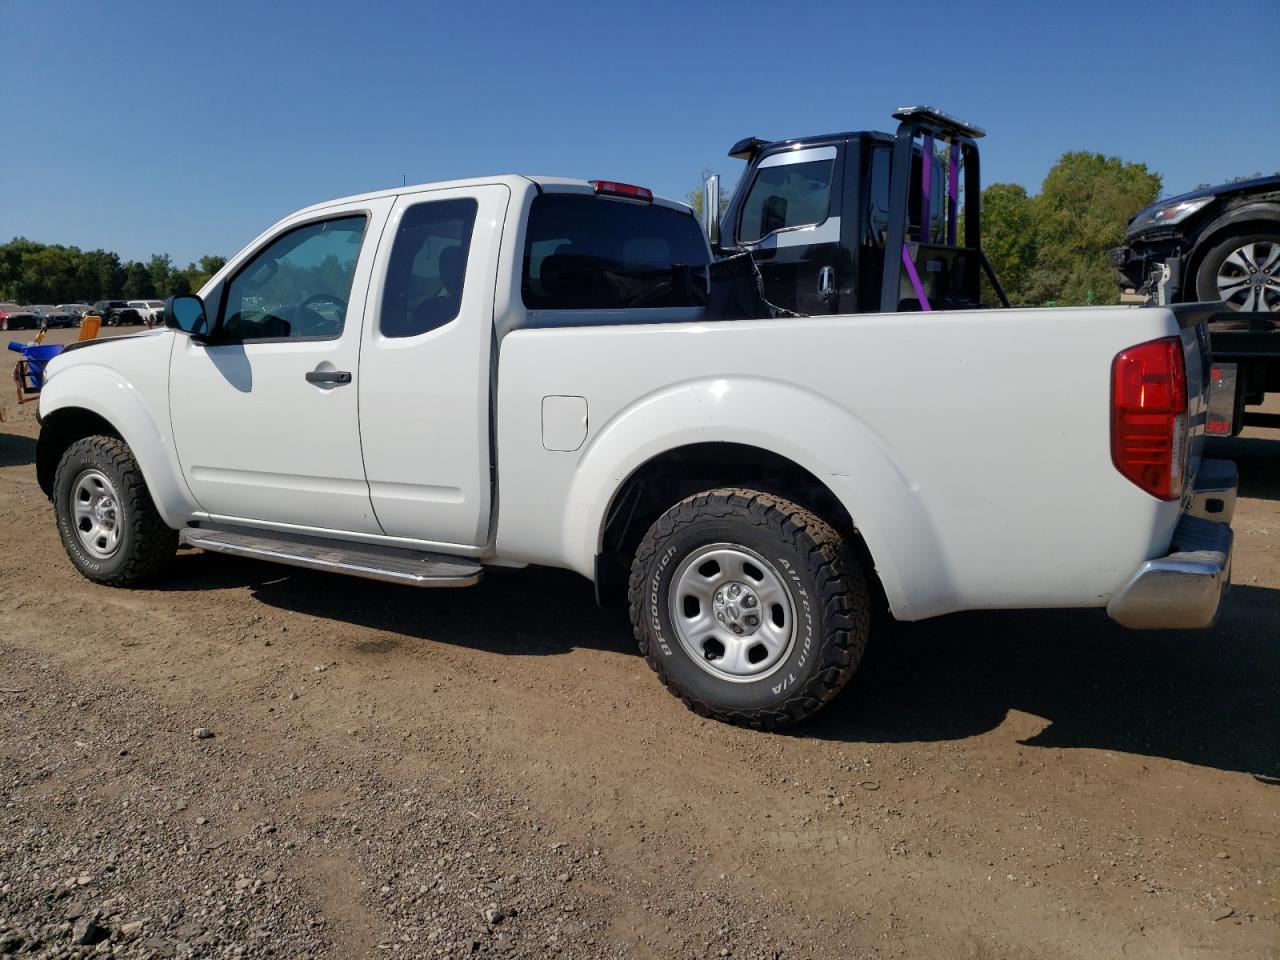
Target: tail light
x,y
613,188
1149,416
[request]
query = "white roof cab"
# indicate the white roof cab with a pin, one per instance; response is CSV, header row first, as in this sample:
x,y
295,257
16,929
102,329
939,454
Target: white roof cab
x,y
413,384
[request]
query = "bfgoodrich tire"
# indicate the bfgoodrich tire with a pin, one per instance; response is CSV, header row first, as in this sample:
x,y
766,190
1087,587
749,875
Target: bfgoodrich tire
x,y
107,521
750,608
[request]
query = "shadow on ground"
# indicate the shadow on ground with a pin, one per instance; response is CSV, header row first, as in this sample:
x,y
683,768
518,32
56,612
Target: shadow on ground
x,y
1258,460
1210,698
16,450
527,612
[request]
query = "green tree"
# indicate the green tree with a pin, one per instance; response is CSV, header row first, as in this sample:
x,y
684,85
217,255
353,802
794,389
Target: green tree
x,y
1081,212
104,274
198,274
1009,235
137,282
160,268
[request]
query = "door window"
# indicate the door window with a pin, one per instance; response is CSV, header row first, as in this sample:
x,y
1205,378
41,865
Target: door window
x,y
297,287
790,190
427,268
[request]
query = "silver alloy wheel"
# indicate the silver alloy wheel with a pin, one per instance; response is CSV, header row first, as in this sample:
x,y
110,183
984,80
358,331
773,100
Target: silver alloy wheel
x,y
732,612
1249,279
96,513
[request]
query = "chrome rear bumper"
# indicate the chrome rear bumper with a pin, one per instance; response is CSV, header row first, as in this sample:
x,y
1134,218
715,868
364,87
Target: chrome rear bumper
x,y
1184,589
1214,497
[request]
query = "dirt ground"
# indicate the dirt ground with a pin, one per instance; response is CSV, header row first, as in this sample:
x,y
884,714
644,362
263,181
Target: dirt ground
x,y
391,772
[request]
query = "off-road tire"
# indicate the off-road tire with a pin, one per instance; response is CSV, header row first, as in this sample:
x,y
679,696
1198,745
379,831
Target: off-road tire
x,y
147,545
829,593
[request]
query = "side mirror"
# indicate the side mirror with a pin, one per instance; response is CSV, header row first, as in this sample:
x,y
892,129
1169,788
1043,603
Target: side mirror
x,y
711,209
186,313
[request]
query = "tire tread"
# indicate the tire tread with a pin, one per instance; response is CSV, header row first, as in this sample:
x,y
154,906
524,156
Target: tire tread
x,y
844,599
151,544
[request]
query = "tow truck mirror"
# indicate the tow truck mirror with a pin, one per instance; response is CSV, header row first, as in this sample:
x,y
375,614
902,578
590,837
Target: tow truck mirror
x,y
186,313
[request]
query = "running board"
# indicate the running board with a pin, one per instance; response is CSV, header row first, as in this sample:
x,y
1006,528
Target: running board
x,y
388,564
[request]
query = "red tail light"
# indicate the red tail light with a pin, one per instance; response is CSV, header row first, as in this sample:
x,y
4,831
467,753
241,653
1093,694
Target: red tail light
x,y
623,190
1149,416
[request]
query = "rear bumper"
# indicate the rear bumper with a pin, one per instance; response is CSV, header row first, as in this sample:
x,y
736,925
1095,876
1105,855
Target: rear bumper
x,y
1184,589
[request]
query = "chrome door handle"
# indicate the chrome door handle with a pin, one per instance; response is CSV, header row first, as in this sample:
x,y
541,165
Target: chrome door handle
x,y
827,283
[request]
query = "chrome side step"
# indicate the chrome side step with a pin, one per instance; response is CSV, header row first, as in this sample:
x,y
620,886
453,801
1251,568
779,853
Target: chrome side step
x,y
389,564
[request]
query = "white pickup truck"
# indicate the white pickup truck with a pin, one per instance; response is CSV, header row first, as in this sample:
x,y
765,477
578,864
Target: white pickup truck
x,y
415,384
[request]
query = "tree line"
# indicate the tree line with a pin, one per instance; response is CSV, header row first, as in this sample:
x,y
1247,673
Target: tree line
x,y
1051,248
33,272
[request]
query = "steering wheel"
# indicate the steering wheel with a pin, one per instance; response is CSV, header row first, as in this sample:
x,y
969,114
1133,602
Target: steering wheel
x,y
326,325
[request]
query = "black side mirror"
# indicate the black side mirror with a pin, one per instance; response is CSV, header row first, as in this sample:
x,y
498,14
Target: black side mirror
x,y
186,313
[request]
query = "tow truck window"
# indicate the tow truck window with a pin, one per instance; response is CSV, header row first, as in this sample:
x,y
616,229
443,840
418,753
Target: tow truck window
x,y
428,266
787,193
297,287
595,253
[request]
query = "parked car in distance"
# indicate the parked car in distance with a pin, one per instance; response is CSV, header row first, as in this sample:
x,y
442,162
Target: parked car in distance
x,y
116,313
77,311
151,311
50,315
16,317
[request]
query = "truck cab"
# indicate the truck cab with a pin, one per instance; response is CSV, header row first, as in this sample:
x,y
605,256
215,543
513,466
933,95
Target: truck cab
x,y
834,222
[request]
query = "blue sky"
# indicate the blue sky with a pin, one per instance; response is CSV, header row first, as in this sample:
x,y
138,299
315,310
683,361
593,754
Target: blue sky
x,y
187,128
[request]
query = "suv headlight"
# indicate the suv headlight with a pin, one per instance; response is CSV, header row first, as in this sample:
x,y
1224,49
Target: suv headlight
x,y
1167,215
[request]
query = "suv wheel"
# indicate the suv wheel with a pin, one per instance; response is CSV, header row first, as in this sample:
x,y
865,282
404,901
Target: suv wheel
x,y
750,608
1243,271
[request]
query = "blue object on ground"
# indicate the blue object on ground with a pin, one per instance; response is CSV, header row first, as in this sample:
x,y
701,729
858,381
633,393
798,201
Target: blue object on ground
x,y
37,356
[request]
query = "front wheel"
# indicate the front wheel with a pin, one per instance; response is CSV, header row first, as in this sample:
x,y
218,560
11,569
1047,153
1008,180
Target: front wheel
x,y
750,608
1244,272
107,521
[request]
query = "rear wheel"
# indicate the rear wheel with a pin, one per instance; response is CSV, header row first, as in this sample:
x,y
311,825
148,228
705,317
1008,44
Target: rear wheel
x,y
1244,271
749,607
107,521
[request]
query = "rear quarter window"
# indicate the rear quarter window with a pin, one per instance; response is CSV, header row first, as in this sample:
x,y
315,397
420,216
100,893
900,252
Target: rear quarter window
x,y
596,253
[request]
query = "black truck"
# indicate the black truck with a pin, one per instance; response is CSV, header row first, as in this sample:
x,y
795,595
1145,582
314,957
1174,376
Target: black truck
x,y
861,222
1219,243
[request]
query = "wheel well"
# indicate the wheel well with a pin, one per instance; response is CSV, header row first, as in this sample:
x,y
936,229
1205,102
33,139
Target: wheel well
x,y
60,430
671,476
1208,240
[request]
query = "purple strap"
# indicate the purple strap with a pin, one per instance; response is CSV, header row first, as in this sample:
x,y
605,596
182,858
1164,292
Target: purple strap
x,y
926,185
915,278
953,190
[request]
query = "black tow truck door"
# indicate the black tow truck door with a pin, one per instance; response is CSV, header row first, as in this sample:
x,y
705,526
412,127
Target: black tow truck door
x,y
787,215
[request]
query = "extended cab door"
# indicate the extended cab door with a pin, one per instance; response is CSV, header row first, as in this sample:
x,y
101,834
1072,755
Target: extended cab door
x,y
265,415
790,221
424,370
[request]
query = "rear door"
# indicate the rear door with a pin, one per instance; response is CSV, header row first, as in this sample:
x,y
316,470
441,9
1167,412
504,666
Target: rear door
x,y
790,221
424,365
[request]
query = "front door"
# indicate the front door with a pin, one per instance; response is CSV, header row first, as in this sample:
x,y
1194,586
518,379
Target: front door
x,y
265,417
790,222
